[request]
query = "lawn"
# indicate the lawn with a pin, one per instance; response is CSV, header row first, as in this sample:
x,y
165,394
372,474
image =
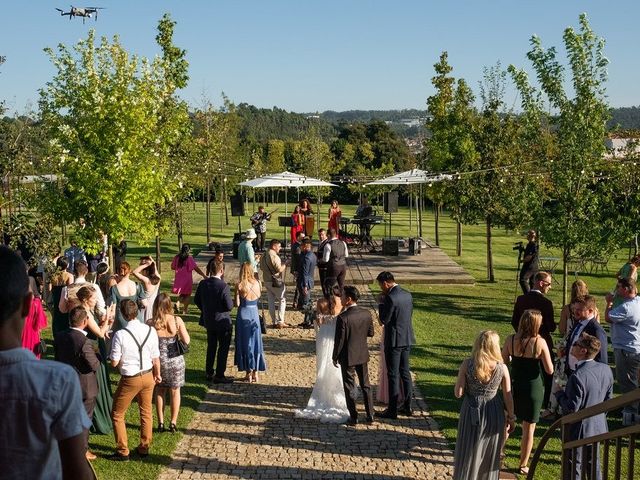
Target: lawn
x,y
447,319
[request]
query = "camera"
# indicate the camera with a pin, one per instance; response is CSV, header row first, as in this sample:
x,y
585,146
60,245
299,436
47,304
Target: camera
x,y
518,246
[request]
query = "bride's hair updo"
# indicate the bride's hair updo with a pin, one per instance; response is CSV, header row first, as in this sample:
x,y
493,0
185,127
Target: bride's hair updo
x,y
335,291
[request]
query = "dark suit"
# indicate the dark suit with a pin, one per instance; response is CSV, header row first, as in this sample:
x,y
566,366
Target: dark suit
x,y
75,349
535,300
591,384
213,298
594,329
350,349
395,313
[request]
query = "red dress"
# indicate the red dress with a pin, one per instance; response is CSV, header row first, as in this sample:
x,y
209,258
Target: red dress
x,y
298,225
334,218
35,321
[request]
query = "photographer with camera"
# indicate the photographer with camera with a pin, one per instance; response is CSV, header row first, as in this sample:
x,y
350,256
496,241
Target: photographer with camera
x,y
529,261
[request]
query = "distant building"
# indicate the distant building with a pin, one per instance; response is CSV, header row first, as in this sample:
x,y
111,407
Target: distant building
x,y
618,147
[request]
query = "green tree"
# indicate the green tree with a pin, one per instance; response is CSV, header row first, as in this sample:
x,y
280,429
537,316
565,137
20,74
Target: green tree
x,y
451,145
115,132
572,215
499,192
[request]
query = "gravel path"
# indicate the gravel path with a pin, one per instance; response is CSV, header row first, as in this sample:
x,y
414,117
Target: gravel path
x,y
247,431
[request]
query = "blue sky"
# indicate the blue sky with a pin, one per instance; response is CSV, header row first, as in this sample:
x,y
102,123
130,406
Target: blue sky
x,y
307,56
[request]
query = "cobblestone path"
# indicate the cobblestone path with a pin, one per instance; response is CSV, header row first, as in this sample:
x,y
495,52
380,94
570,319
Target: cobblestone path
x,y
246,431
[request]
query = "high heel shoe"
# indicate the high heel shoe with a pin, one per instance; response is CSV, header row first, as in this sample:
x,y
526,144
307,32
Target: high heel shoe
x,y
173,428
161,427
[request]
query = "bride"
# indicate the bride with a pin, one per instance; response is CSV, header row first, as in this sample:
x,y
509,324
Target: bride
x,y
327,402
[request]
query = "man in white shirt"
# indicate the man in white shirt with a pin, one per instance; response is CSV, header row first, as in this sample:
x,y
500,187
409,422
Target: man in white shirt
x,y
135,353
335,256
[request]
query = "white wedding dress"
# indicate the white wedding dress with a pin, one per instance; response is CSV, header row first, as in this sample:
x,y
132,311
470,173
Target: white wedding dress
x,y
327,402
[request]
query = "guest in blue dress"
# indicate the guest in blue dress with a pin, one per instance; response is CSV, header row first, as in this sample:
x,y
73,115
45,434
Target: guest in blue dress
x,y
249,356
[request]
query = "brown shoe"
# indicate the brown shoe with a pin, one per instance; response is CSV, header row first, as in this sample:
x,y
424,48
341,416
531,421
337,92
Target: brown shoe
x,y
90,456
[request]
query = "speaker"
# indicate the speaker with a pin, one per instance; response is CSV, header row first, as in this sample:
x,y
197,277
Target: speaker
x,y
237,206
415,246
390,246
236,245
390,202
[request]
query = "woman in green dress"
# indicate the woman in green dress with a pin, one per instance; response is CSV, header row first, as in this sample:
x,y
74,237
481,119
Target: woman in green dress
x,y
127,289
97,332
527,352
59,279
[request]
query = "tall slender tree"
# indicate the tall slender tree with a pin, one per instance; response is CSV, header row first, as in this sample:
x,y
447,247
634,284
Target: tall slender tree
x,y
572,217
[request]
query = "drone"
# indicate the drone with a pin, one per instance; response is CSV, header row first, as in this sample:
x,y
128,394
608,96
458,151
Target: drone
x,y
84,12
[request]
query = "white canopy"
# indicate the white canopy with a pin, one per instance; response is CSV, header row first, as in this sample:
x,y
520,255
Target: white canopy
x,y
285,179
413,176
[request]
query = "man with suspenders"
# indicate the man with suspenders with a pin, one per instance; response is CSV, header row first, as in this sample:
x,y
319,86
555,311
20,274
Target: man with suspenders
x,y
135,353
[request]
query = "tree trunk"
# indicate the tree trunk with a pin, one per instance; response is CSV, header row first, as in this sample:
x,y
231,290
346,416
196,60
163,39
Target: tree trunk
x,y
158,262
111,259
224,200
490,275
458,238
436,208
179,224
420,208
208,214
565,273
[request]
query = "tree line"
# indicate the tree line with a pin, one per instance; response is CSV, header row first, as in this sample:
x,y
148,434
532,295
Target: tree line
x,y
128,152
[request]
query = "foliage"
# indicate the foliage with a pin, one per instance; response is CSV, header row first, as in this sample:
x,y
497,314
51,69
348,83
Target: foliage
x,y
259,125
115,132
451,145
572,216
498,192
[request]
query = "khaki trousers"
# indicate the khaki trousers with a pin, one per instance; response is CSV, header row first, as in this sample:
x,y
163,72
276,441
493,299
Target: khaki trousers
x,y
140,388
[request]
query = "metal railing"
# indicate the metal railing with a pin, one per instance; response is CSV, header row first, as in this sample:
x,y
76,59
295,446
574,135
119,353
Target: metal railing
x,y
620,439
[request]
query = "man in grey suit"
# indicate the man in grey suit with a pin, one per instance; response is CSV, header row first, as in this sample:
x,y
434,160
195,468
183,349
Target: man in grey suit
x,y
395,309
591,384
351,352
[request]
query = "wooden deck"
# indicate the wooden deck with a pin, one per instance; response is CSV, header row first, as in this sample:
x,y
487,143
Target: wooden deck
x,y
432,266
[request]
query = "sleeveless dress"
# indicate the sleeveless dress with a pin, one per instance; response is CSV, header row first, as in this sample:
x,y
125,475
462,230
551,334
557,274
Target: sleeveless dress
x,y
171,368
480,428
249,354
183,281
327,402
527,386
60,321
104,401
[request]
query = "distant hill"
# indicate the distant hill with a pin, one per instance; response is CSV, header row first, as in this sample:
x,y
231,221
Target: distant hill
x,y
625,118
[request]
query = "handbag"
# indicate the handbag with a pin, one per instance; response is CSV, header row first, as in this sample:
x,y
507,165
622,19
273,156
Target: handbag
x,y
181,346
40,348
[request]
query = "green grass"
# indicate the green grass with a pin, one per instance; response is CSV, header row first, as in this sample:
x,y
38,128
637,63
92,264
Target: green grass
x,y
447,320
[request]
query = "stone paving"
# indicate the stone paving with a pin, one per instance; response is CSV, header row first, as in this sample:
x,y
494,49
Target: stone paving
x,y
246,431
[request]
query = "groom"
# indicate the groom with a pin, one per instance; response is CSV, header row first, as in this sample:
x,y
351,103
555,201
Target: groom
x,y
350,350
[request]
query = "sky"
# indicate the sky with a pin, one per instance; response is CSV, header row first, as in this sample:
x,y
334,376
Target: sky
x,y
308,56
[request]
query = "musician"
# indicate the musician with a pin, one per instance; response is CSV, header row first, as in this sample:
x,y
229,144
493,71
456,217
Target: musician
x,y
259,223
309,221
334,216
364,210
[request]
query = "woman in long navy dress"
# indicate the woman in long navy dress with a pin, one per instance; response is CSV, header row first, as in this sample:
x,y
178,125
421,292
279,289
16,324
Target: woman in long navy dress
x,y
249,355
